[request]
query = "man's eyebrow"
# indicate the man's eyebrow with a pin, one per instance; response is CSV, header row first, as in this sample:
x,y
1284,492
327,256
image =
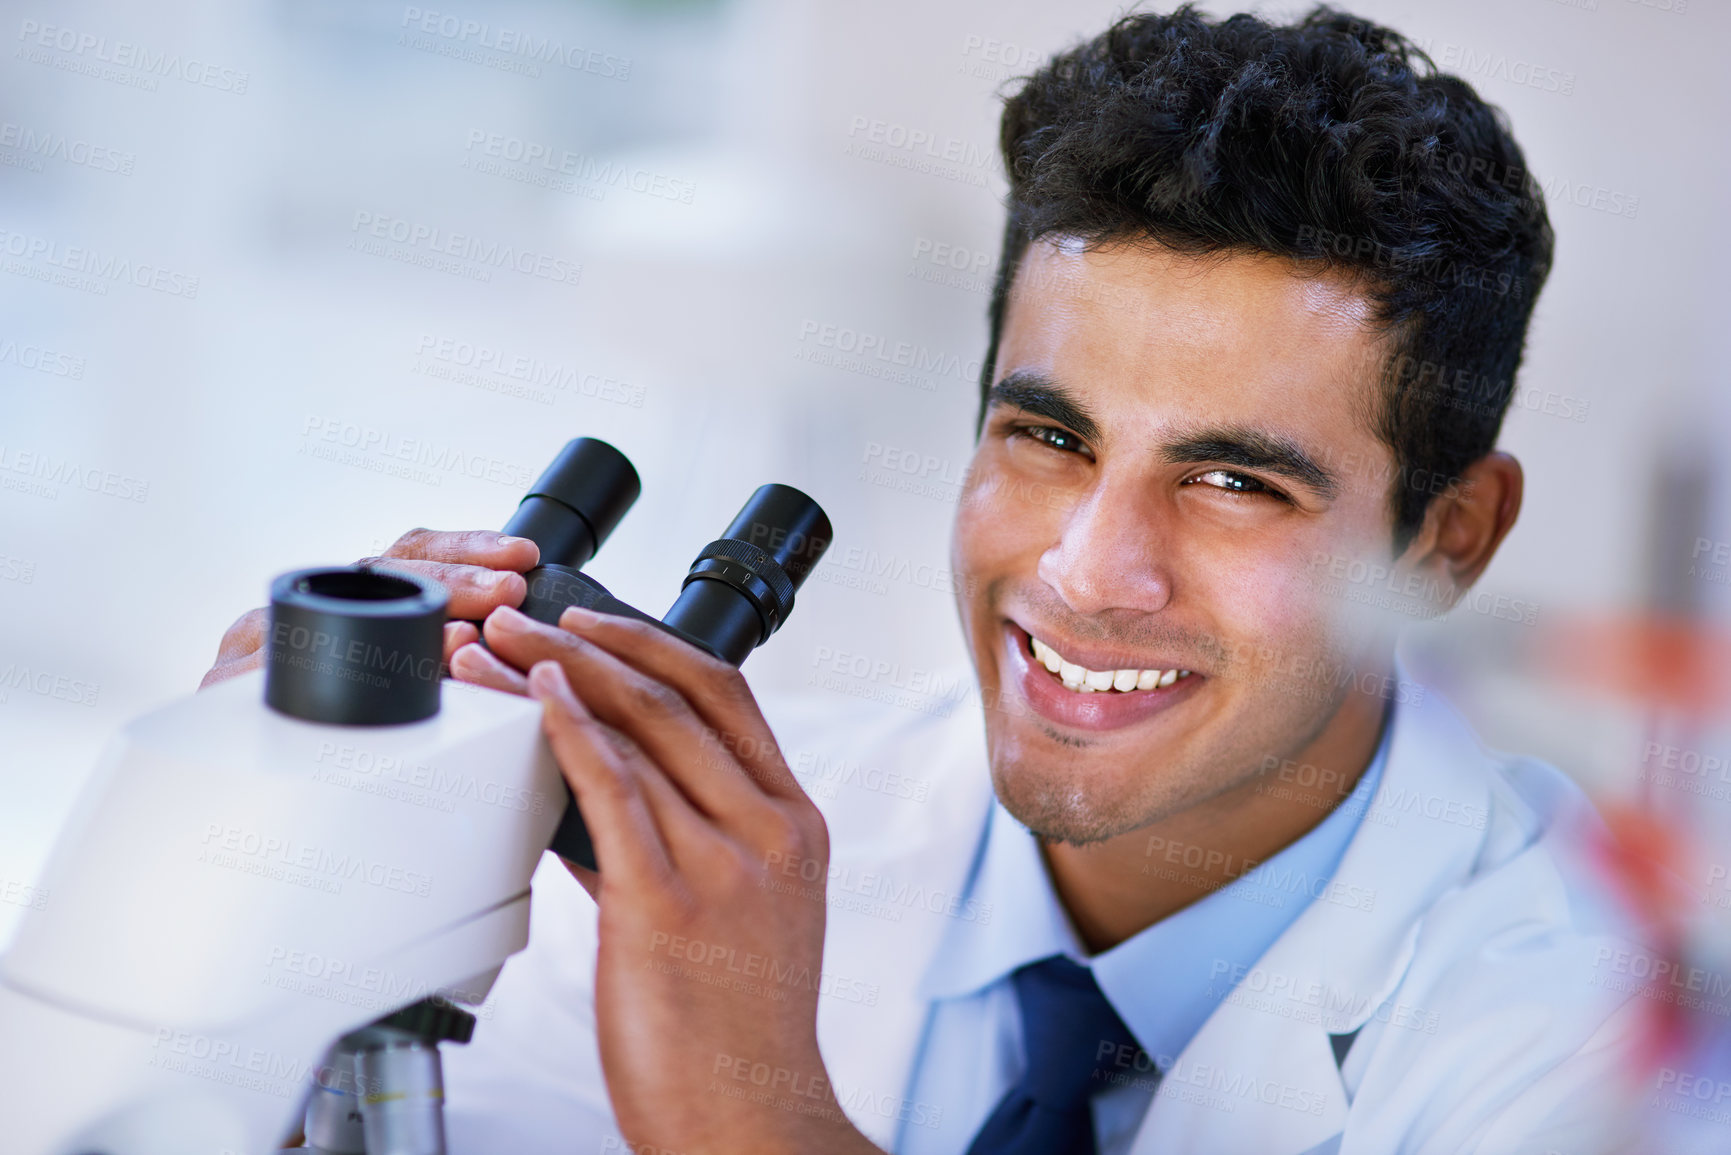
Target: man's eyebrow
x,y
1250,448
1043,397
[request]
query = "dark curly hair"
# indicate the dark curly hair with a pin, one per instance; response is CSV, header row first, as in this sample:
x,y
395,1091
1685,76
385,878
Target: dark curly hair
x,y
1332,142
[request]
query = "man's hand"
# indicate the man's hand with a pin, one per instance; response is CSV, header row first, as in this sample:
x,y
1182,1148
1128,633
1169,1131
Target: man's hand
x,y
711,948
482,570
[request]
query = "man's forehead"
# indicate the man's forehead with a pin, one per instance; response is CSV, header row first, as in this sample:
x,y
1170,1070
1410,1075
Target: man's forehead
x,y
1246,327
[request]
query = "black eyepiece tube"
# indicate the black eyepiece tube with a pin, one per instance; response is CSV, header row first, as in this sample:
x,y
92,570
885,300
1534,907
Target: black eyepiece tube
x,y
740,589
576,502
355,646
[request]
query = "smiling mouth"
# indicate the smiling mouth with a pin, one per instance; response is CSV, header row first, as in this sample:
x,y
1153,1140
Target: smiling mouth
x,y
1082,680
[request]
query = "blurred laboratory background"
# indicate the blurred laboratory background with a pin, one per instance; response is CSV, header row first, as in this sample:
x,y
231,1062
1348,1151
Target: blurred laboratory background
x,y
285,278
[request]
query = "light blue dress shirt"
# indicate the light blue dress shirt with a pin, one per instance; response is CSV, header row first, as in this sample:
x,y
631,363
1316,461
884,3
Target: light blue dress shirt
x,y
1164,981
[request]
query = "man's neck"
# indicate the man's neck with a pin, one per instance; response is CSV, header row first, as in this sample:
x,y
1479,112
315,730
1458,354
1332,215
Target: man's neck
x,y
1116,888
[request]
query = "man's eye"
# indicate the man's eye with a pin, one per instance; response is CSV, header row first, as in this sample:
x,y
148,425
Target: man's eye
x,y
1234,482
1061,439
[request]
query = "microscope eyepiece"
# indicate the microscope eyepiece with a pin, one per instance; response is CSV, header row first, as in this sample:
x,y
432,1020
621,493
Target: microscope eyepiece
x,y
355,646
740,589
577,502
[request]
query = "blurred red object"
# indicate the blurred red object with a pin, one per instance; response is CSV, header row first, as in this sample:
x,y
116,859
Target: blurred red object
x,y
1671,664
1645,858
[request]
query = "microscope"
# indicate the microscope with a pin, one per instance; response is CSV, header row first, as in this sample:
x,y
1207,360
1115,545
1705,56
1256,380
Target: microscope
x,y
275,899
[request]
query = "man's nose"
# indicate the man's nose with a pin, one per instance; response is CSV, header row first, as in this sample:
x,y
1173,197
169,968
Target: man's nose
x,y
1108,555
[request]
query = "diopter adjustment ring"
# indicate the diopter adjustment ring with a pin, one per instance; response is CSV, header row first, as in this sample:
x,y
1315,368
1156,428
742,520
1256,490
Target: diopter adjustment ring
x,y
751,571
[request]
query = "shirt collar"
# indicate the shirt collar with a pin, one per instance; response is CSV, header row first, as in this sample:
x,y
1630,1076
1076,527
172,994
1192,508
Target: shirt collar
x,y
1167,979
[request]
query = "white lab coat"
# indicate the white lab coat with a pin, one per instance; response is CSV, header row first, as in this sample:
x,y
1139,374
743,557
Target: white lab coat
x,y
1476,977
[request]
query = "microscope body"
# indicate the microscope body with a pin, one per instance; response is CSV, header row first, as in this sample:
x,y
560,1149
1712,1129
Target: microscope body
x,y
237,888
273,895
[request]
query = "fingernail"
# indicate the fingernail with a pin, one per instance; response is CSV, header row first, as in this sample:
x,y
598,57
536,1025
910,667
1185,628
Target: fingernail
x,y
470,656
544,678
507,542
577,617
507,618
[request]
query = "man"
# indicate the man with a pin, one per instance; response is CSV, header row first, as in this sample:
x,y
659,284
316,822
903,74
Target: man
x,y
1242,887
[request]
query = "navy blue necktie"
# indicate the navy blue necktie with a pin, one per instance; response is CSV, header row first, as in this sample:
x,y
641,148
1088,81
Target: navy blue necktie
x,y
1070,1034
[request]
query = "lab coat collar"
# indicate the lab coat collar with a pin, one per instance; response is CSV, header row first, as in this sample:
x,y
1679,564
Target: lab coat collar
x,y
1261,1075
972,958
1191,949
886,947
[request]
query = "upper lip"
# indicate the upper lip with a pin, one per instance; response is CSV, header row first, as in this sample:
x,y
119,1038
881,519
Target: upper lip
x,y
1097,658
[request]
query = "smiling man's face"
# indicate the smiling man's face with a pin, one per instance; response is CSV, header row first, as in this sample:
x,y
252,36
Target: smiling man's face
x,y
1172,444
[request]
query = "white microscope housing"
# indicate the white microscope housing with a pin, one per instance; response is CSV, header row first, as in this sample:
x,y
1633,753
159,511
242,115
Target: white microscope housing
x,y
238,888
272,896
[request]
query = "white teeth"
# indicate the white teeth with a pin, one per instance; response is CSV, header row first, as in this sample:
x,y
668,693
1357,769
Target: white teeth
x,y
1086,681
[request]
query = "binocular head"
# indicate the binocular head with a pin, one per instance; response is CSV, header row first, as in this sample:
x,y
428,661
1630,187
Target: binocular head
x,y
739,590
364,647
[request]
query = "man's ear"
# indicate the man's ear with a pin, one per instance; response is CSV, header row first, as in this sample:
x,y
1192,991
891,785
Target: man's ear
x,y
1466,523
